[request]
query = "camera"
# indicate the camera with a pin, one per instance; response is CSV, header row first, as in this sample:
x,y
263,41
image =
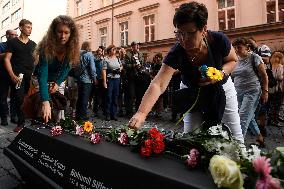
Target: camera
x,y
116,71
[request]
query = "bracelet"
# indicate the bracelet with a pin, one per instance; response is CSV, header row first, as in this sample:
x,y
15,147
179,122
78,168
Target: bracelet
x,y
223,71
265,90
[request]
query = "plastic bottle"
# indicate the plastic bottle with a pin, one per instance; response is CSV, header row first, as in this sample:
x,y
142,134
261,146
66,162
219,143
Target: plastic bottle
x,y
18,85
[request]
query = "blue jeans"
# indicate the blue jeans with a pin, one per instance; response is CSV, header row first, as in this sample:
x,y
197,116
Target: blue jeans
x,y
248,101
84,93
112,96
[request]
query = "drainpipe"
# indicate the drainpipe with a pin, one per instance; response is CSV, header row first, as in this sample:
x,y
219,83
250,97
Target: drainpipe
x,y
112,21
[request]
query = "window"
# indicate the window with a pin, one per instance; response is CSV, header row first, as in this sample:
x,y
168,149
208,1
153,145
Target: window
x,y
6,7
226,14
3,38
272,14
123,33
5,22
281,10
149,31
16,15
79,7
14,2
103,36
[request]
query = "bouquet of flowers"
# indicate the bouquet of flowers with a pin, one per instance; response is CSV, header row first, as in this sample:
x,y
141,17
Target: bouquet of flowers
x,y
230,163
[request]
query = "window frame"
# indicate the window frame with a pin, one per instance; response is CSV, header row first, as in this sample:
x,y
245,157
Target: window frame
x,y
124,32
226,9
277,11
16,15
103,36
149,26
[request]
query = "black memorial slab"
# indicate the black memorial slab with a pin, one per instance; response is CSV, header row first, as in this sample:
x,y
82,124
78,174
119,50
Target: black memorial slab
x,y
68,161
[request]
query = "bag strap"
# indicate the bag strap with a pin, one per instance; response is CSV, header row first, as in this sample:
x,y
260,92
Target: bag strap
x,y
253,65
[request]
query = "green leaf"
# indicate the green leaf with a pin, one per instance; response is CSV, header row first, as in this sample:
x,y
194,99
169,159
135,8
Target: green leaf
x,y
130,132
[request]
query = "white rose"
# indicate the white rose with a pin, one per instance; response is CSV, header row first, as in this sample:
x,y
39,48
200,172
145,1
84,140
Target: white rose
x,y
225,172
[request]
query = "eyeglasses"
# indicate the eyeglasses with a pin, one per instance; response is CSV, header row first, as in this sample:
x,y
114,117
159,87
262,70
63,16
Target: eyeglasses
x,y
183,35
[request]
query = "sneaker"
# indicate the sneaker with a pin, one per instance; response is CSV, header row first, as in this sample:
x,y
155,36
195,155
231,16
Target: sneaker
x,y
4,121
18,128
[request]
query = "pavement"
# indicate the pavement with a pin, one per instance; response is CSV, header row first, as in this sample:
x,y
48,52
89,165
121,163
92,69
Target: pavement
x,y
10,178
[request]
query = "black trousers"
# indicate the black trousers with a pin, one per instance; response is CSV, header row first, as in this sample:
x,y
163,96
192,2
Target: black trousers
x,y
17,95
84,93
5,83
99,97
129,97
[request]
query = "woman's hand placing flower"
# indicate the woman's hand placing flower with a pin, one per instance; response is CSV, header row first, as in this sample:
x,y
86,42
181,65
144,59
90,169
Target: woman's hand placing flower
x,y
46,111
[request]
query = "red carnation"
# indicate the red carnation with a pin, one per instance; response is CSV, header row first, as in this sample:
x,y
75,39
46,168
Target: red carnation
x,y
145,152
148,143
159,137
158,146
153,132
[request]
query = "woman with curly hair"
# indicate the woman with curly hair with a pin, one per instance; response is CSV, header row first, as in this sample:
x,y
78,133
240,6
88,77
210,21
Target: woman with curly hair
x,y
58,51
275,115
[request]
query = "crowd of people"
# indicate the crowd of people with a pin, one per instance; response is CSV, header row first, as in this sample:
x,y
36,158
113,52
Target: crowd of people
x,y
114,81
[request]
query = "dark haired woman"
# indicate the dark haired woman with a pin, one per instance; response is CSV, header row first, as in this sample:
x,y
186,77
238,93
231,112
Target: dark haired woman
x,y
58,51
249,89
197,46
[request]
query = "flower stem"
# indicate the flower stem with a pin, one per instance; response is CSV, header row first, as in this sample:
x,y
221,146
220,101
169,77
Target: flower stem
x,y
189,110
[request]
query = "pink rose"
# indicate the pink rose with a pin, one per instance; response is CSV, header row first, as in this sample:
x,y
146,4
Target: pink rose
x,y
123,138
56,130
95,138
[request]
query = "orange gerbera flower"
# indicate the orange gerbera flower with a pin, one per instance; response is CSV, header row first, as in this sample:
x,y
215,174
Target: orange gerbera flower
x,y
215,74
88,126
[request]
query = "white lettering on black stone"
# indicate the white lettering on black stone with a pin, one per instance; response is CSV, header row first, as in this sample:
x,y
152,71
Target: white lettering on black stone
x,y
53,164
27,149
85,182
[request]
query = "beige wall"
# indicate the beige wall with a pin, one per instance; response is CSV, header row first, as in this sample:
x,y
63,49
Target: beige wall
x,y
248,13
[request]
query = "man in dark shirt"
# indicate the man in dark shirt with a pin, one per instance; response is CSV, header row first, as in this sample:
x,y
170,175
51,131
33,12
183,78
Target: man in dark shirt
x,y
133,62
4,79
19,60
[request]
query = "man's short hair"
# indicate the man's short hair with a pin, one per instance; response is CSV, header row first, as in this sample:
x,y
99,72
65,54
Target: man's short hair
x,y
135,43
23,22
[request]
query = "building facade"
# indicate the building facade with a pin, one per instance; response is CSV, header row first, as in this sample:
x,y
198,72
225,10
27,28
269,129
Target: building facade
x,y
39,12
119,22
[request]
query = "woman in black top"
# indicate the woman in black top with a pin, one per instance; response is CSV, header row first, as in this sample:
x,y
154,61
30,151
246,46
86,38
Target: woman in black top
x,y
197,46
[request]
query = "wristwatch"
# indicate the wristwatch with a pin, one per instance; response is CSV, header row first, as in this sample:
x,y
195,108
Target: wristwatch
x,y
265,90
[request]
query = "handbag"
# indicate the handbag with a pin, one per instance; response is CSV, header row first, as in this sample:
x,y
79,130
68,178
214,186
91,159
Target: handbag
x,y
57,101
31,105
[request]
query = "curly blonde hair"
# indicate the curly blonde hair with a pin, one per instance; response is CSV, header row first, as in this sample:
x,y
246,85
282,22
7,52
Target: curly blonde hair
x,y
277,58
49,44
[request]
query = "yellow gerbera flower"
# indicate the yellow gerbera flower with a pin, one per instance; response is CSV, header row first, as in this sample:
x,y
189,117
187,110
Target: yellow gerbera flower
x,y
215,74
88,126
